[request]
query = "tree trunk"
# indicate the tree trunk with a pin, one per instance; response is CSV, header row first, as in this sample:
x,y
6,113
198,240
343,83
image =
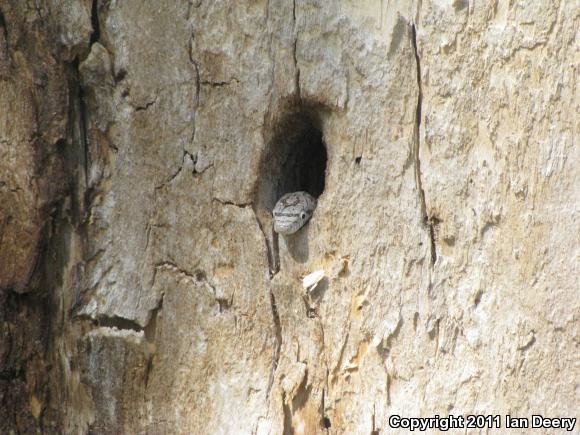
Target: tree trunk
x,y
143,146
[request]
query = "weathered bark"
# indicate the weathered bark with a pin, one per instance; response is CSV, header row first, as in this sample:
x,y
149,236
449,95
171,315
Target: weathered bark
x,y
34,102
144,144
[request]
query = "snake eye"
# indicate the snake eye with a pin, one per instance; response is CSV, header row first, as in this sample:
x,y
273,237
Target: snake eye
x,y
302,215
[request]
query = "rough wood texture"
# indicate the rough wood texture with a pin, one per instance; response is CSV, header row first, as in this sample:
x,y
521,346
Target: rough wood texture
x,y
143,146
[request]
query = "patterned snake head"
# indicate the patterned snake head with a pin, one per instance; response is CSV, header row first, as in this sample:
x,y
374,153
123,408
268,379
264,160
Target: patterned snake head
x,y
292,211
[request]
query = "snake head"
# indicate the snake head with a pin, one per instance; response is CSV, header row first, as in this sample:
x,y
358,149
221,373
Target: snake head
x,y
292,211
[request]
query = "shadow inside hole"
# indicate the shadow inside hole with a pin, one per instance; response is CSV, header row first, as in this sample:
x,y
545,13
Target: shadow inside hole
x,y
295,160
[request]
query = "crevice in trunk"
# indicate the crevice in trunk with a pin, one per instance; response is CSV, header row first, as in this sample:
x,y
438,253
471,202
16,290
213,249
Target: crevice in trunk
x,y
271,246
278,335
3,26
294,56
427,221
96,33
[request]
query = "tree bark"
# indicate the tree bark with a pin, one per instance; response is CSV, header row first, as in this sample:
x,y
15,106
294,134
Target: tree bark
x,y
143,146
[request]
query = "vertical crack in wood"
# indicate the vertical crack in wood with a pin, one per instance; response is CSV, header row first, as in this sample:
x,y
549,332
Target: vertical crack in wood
x,y
417,142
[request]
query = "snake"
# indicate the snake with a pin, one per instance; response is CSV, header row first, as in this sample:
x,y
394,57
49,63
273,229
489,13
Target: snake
x,y
292,212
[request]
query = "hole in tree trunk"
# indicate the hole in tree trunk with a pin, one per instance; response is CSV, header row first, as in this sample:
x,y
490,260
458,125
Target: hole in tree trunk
x,y
294,160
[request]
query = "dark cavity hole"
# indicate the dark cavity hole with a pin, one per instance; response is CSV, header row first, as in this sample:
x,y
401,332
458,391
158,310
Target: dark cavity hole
x,y
96,33
120,75
3,25
478,298
326,423
60,145
200,275
357,160
295,159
